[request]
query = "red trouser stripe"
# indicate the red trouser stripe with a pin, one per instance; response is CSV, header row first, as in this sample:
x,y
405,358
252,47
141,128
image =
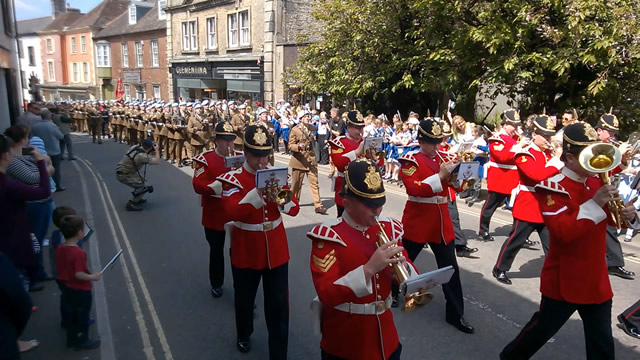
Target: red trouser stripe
x,y
632,312
515,229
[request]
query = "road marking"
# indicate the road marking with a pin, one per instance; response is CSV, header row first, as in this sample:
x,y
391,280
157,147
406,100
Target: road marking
x,y
107,351
104,193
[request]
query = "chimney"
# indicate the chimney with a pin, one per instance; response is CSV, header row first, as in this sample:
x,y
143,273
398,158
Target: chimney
x,y
57,7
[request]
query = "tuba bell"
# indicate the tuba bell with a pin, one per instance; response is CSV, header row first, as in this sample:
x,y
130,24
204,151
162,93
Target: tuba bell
x,y
601,158
402,273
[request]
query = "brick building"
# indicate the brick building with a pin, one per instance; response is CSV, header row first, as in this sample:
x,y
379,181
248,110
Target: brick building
x,y
133,48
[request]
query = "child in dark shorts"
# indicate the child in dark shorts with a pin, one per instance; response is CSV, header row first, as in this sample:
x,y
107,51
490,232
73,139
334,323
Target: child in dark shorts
x,y
75,280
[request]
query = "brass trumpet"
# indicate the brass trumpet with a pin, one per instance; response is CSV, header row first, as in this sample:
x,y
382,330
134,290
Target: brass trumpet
x,y
601,158
401,273
275,193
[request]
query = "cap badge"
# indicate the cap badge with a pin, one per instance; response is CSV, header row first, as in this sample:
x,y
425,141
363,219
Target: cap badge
x,y
373,179
260,138
615,122
436,130
550,125
590,132
227,127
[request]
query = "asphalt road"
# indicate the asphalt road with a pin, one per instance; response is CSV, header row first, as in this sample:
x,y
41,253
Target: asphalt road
x,y
155,302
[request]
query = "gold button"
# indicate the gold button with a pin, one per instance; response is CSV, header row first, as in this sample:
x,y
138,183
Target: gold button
x,y
379,297
377,276
378,286
367,236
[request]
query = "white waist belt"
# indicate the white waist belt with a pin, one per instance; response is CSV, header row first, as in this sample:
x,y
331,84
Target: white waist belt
x,y
374,308
429,200
265,226
340,174
502,166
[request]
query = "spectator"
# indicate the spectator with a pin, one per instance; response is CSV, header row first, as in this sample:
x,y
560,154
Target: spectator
x,y
323,138
15,309
338,127
51,135
25,171
63,121
31,116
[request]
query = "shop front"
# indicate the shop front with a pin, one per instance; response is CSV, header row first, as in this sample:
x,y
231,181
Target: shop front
x,y
216,80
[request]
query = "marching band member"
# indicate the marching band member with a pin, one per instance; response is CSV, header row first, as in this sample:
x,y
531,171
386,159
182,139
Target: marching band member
x,y
574,275
351,276
535,163
208,166
502,173
345,149
426,215
630,320
259,248
607,128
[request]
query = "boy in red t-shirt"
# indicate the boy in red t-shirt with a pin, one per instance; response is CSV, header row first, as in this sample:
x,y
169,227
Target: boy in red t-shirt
x,y
75,280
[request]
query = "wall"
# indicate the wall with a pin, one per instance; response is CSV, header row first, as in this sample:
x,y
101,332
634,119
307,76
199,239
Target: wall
x,y
80,58
56,56
26,68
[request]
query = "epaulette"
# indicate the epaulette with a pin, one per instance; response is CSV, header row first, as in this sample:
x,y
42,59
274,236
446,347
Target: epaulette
x,y
496,138
409,157
201,159
337,142
230,177
553,184
396,227
325,232
524,151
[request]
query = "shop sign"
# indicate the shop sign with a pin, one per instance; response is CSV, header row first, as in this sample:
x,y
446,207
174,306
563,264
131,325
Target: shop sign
x,y
131,77
192,70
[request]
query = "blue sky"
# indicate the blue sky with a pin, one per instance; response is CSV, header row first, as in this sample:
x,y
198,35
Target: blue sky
x,y
29,9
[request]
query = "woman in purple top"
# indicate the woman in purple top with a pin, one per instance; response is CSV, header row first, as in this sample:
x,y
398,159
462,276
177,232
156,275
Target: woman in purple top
x,y
15,239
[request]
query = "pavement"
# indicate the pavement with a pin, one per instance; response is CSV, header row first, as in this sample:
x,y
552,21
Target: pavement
x,y
155,302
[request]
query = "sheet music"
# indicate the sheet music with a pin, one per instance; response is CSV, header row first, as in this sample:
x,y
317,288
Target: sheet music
x,y
427,280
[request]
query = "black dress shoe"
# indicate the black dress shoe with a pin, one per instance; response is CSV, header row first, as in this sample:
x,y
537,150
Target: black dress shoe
x,y
530,244
465,251
628,328
501,276
244,345
216,292
89,344
462,325
131,206
394,302
486,237
61,189
621,272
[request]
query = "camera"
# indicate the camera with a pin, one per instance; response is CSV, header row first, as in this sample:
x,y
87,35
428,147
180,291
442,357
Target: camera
x,y
142,190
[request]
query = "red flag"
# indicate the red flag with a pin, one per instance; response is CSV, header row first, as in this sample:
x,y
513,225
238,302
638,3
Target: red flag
x,y
119,90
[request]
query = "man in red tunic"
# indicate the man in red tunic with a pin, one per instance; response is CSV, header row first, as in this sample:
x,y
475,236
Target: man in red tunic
x,y
208,166
352,275
259,248
502,173
574,275
535,163
426,215
345,149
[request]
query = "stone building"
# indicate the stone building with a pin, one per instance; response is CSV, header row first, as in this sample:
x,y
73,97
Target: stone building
x,y
132,48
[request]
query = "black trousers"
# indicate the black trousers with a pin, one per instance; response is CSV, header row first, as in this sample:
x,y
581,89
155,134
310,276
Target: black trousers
x,y
394,355
461,239
276,305
520,232
596,320
75,308
632,314
57,175
340,210
614,248
215,239
494,200
322,148
445,255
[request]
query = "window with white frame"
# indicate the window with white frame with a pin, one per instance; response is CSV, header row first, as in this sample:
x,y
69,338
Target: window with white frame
x,y
85,72
232,24
73,45
189,36
103,55
138,54
31,52
155,57
76,72
127,92
156,91
51,69
49,46
244,28
133,17
83,44
125,55
162,4
212,41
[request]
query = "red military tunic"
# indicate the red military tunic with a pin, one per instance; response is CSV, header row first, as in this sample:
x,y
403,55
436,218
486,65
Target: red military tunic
x,y
343,151
210,165
446,156
426,215
339,252
502,173
264,245
534,166
575,269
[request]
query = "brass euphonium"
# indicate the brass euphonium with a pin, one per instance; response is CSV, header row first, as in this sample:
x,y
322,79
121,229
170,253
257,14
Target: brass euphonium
x,y
401,272
275,193
374,154
601,158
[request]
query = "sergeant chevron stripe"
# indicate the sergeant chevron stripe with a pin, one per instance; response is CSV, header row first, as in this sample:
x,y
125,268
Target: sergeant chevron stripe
x,y
326,262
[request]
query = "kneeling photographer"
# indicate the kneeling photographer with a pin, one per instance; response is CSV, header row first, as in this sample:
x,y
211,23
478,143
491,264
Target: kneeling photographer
x,y
128,171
